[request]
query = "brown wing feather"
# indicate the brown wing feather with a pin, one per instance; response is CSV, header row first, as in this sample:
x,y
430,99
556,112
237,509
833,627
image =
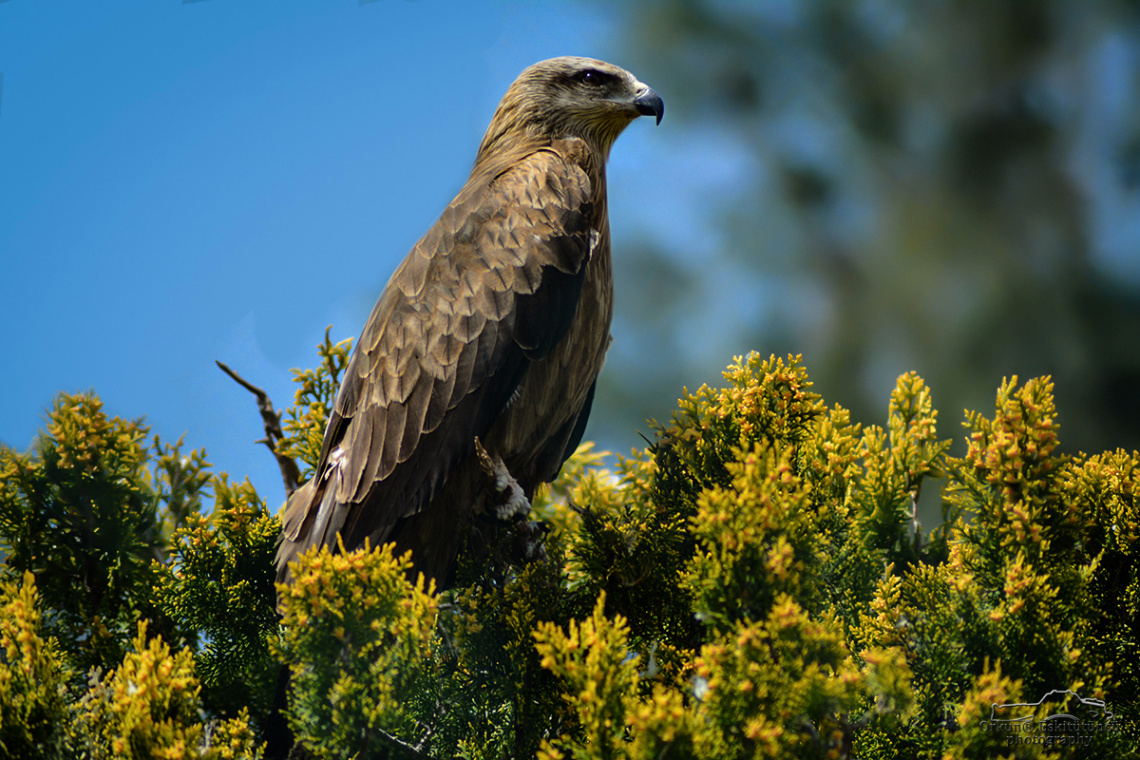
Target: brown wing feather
x,y
491,287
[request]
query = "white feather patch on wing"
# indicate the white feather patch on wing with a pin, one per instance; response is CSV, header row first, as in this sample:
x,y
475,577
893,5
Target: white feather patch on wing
x,y
331,514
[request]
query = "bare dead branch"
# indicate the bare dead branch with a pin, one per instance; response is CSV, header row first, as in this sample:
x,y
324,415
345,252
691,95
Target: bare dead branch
x,y
290,472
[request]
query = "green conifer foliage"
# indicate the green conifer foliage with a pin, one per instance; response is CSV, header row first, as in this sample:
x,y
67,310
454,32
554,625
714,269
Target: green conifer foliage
x,y
601,677
755,583
306,419
80,512
148,707
103,529
218,586
358,639
33,697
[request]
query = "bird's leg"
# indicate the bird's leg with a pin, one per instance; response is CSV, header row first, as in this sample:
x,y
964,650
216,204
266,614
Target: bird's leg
x,y
523,542
516,503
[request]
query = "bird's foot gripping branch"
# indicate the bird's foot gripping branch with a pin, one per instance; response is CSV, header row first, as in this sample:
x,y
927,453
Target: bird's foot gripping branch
x,y
757,582
510,500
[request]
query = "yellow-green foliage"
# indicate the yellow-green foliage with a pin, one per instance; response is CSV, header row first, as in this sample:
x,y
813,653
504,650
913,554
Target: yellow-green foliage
x,y
33,699
148,707
756,540
781,687
1013,612
895,463
601,678
723,509
756,583
102,529
358,639
1108,488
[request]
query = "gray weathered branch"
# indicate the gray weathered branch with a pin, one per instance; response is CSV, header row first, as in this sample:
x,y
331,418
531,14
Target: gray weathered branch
x,y
290,472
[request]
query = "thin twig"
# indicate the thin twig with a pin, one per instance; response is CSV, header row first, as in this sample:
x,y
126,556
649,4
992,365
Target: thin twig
x,y
398,743
290,472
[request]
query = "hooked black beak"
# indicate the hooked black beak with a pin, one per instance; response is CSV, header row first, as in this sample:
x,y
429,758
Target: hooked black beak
x,y
649,103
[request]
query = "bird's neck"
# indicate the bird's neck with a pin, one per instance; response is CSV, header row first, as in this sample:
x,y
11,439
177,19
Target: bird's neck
x,y
506,141
498,156
499,152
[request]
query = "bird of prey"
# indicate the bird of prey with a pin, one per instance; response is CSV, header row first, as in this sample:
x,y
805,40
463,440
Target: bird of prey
x,y
475,372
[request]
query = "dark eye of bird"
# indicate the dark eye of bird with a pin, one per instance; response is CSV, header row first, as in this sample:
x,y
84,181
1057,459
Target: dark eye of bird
x,y
592,77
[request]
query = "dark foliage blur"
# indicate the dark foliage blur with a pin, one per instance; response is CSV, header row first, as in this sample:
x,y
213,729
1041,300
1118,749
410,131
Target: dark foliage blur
x,y
888,185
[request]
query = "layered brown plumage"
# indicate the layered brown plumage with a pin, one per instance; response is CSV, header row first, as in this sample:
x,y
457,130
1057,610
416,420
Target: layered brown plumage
x,y
493,328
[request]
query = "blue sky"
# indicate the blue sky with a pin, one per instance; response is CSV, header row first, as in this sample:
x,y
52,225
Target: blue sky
x,y
185,182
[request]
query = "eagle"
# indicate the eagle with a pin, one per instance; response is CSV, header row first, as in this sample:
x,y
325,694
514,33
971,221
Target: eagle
x,y
473,377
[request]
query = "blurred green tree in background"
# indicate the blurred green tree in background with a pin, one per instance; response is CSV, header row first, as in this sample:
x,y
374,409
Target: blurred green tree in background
x,y
943,186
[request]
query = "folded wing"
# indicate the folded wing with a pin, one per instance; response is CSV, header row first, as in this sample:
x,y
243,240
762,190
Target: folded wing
x,y
491,288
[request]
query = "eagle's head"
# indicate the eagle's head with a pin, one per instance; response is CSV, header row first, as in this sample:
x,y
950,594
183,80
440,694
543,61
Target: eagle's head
x,y
572,97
